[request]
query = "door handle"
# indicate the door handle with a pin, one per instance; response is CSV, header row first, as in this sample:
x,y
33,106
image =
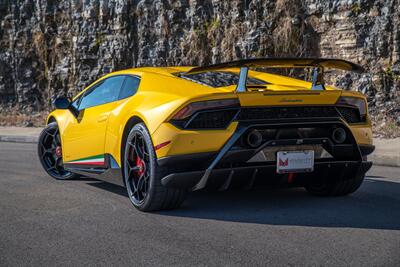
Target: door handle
x,y
102,118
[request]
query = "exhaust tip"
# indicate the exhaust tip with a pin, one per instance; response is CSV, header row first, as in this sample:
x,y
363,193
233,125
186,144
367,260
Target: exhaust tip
x,y
253,139
339,135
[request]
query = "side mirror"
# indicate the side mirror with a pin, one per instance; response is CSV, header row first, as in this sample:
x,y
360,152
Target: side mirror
x,y
62,103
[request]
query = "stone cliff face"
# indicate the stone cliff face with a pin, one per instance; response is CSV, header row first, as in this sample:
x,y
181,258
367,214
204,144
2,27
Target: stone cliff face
x,y
49,48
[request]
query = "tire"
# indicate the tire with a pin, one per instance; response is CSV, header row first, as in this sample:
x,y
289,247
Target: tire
x,y
330,187
142,175
50,155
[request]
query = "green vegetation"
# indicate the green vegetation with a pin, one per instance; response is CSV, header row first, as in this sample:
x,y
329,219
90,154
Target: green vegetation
x,y
390,74
207,27
355,8
215,23
98,41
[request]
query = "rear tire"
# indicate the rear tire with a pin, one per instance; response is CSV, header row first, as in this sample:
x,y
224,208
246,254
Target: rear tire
x,y
330,187
142,174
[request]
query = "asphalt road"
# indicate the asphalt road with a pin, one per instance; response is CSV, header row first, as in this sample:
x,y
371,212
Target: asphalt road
x,y
86,222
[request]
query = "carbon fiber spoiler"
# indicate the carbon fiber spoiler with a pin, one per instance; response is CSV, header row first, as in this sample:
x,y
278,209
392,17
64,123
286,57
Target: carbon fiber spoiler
x,y
283,63
319,64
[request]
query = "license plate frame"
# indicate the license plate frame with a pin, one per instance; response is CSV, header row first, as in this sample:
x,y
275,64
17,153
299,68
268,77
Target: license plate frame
x,y
298,161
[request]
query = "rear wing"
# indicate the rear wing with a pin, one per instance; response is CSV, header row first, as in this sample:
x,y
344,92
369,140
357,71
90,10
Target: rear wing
x,y
318,65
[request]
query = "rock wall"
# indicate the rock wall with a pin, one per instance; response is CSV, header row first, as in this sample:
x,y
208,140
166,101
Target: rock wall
x,y
49,47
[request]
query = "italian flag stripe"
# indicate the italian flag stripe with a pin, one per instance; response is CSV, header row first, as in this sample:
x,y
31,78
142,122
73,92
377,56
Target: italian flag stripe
x,y
94,160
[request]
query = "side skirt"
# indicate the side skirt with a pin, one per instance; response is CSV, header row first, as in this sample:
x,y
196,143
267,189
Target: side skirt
x,y
110,172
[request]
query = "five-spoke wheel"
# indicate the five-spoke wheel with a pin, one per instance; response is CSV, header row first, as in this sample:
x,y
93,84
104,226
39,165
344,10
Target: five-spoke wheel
x,y
143,175
137,168
50,153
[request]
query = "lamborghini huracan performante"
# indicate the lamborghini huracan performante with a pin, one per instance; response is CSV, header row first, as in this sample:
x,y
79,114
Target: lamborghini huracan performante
x,y
162,132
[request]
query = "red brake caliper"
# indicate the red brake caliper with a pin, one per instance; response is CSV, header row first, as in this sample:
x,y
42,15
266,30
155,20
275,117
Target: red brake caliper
x,y
140,164
58,152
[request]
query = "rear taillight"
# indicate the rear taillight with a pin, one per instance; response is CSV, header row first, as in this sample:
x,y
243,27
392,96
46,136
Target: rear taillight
x,y
213,114
191,108
354,102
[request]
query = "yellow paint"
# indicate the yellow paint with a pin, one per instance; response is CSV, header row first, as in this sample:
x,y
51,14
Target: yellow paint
x,y
189,142
362,133
85,136
99,129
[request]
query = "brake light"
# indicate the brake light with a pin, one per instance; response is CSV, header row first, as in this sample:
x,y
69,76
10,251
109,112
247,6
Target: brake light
x,y
191,108
359,103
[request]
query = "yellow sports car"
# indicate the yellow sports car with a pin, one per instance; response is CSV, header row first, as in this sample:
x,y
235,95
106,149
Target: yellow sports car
x,y
164,131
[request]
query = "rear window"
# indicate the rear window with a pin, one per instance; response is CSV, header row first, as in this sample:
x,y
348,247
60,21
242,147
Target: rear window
x,y
218,78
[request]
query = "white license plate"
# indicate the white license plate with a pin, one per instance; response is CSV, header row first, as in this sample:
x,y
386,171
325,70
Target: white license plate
x,y
295,161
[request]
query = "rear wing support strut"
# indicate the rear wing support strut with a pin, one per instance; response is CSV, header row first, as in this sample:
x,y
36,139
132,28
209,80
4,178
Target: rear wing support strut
x,y
317,79
241,86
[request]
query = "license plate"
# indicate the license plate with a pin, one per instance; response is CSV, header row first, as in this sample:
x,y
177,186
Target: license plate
x,y
295,161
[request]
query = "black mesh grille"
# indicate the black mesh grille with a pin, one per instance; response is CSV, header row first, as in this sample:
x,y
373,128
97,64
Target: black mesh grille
x,y
210,120
273,113
220,119
351,115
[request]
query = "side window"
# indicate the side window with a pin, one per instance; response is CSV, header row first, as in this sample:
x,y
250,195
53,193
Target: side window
x,y
104,92
130,87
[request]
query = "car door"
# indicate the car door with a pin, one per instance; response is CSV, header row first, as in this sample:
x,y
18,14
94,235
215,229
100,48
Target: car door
x,y
84,136
115,120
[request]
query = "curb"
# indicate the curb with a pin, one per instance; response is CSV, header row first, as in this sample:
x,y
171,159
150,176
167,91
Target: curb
x,y
382,160
377,159
19,139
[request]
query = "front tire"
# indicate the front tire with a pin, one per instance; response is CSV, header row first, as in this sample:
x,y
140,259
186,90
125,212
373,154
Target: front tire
x,y
330,187
50,153
142,174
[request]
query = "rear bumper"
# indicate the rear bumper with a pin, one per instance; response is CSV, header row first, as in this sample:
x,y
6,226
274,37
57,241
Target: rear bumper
x,y
186,159
205,158
366,149
249,176
229,164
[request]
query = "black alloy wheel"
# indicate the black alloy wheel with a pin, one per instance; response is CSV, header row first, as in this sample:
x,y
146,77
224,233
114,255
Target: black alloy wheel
x,y
142,174
50,153
137,168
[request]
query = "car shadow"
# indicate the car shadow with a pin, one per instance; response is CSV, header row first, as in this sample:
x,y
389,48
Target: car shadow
x,y
376,205
83,178
116,189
